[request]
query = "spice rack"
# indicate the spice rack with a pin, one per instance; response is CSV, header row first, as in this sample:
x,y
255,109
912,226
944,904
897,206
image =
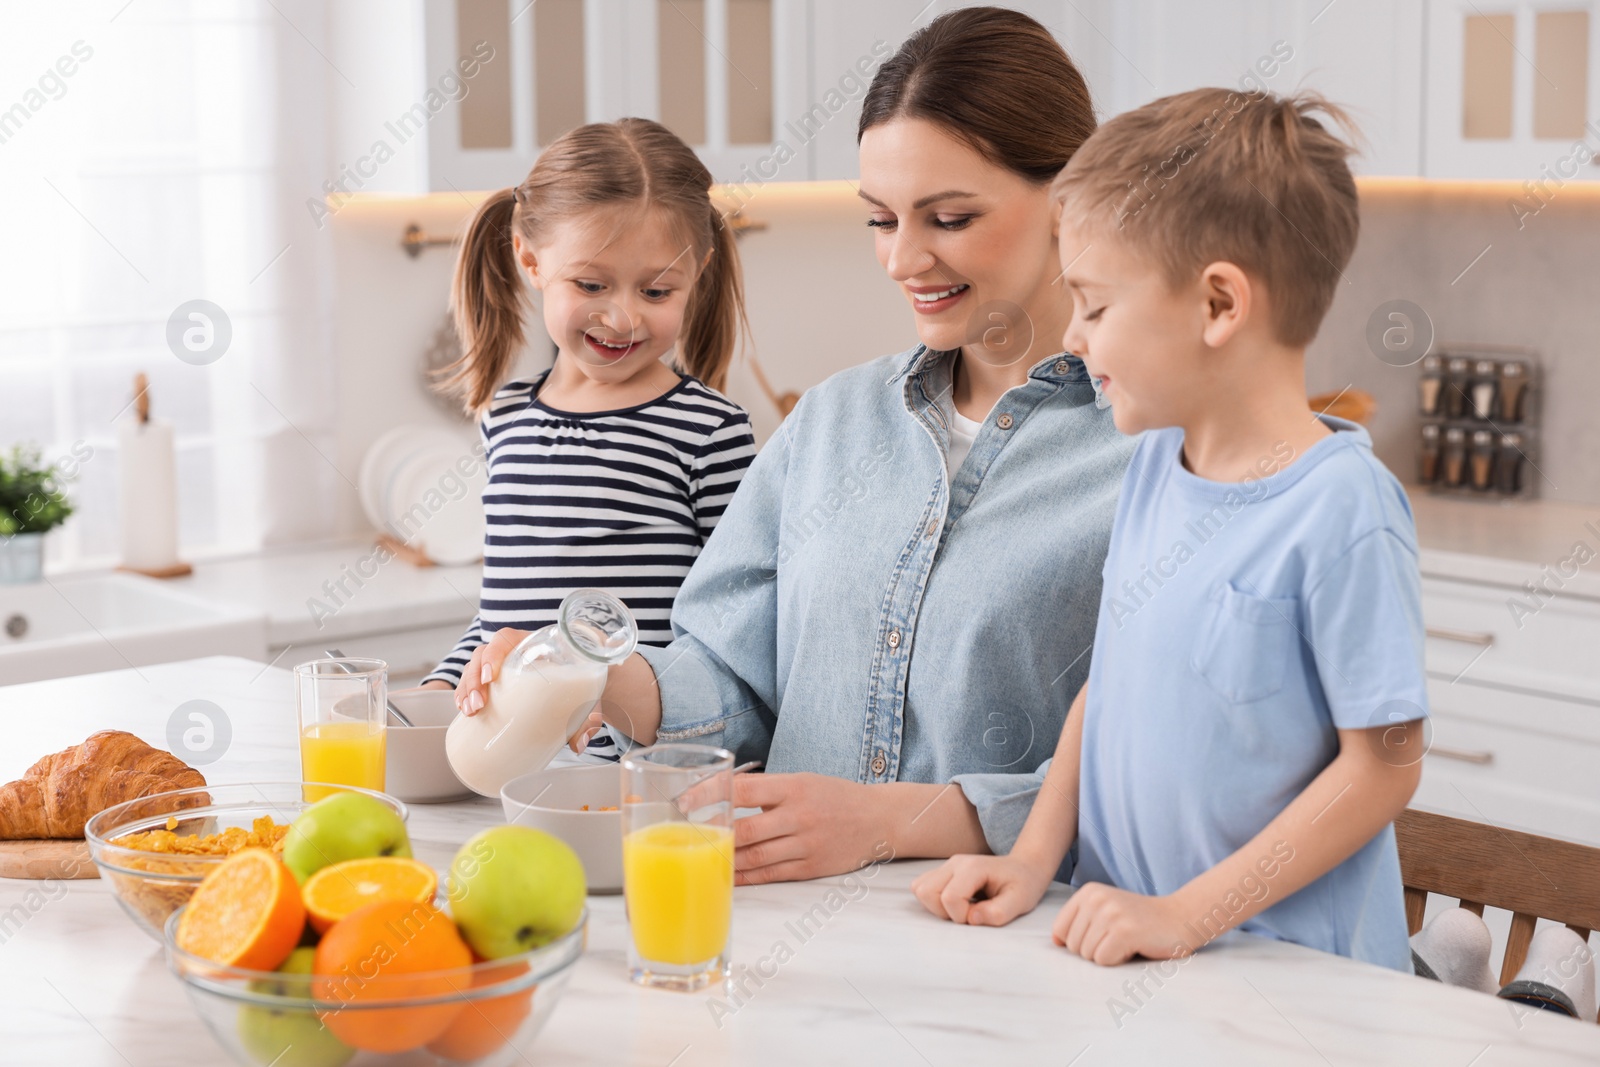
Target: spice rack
x,y
1479,432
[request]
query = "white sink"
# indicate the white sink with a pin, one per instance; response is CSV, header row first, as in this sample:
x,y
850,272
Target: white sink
x,y
69,626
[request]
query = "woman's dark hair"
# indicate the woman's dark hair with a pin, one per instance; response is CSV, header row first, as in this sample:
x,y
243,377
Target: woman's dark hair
x,y
993,77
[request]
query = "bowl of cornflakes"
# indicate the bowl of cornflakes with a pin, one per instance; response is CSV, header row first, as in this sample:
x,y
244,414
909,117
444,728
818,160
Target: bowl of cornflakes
x,y
578,804
154,850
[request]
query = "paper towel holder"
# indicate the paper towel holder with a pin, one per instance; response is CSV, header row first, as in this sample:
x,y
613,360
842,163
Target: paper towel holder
x,y
141,406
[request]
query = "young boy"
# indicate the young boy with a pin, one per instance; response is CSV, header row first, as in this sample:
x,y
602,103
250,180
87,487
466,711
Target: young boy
x,y
1252,720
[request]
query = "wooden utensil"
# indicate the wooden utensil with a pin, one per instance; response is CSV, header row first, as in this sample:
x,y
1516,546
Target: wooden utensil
x,y
45,858
1355,405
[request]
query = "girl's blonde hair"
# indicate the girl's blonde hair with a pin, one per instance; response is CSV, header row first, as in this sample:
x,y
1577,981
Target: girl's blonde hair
x,y
602,164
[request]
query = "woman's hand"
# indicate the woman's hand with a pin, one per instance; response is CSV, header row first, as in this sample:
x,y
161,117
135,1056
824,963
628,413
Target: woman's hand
x,y
482,668
1108,926
810,825
982,890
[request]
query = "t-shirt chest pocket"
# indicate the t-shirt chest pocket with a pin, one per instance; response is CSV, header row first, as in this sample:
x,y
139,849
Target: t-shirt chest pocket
x,y
1245,642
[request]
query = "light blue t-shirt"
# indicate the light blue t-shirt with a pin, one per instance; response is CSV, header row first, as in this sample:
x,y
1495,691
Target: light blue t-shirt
x,y
1241,625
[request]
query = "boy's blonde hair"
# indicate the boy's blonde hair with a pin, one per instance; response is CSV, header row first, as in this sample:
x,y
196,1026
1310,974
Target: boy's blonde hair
x,y
1213,174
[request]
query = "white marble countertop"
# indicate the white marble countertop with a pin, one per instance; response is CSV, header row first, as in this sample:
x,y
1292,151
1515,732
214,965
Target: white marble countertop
x,y
356,593
1468,540
1506,544
880,982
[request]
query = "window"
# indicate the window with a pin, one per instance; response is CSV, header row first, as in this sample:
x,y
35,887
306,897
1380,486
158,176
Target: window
x,y
149,157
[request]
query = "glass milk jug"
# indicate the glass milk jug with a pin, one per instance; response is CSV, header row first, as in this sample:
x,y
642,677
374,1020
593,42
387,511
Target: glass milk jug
x,y
544,691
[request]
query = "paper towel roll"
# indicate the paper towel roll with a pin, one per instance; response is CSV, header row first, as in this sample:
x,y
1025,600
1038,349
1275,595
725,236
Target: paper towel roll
x,y
149,504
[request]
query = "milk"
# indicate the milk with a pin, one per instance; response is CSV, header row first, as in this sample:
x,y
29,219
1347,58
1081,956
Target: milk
x,y
527,716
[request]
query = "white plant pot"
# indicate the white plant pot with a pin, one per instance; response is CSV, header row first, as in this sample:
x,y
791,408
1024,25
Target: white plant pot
x,y
22,559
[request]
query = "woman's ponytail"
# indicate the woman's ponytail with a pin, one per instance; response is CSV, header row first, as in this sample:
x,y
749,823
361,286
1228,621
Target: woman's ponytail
x,y
715,314
488,299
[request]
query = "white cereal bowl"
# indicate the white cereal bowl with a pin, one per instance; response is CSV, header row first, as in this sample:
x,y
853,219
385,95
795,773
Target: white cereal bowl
x,y
416,768
550,800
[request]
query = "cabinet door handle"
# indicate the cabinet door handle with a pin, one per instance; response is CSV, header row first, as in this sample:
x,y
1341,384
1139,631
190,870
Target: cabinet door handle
x,y
1466,637
1480,756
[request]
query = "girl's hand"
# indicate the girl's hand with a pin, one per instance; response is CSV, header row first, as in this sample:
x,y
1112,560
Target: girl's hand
x,y
982,890
1108,926
811,825
481,669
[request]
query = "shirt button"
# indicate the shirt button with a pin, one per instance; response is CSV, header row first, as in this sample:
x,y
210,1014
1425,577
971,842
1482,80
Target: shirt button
x,y
1005,421
933,527
879,763
1062,366
894,638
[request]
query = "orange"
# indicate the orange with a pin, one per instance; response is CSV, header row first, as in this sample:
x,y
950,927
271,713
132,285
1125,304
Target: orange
x,y
485,1025
390,951
245,913
339,889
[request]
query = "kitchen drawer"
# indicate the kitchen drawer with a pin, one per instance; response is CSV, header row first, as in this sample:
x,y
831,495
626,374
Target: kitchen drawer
x,y
1484,800
1525,762
1541,718
1474,634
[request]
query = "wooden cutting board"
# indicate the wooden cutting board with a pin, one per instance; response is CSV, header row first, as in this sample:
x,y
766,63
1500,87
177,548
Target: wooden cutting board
x,y
41,858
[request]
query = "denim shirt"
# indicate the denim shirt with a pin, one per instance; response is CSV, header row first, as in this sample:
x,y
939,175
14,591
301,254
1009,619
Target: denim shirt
x,y
860,614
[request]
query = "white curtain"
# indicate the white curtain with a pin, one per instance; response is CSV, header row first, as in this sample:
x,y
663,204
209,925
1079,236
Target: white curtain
x,y
153,153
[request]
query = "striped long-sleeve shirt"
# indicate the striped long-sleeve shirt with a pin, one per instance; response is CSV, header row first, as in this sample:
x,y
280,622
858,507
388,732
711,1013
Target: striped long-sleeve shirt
x,y
616,500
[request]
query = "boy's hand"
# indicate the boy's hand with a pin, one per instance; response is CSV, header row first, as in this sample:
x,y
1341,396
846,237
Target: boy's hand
x,y
1108,926
981,890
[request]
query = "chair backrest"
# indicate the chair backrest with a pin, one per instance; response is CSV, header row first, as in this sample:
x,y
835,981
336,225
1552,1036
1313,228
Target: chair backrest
x,y
1532,877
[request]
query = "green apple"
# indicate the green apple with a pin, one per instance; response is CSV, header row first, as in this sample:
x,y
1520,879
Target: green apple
x,y
514,888
290,1037
344,826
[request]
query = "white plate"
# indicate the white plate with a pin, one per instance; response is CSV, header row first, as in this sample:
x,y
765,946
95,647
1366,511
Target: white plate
x,y
453,530
375,467
398,472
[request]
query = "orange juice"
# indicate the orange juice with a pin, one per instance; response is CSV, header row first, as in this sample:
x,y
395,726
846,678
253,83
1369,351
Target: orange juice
x,y
343,753
678,880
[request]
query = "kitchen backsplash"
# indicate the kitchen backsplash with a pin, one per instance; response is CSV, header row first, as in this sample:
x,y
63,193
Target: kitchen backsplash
x,y
1480,270
1488,263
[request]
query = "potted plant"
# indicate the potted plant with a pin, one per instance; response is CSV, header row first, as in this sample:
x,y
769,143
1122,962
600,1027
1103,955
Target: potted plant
x,y
31,503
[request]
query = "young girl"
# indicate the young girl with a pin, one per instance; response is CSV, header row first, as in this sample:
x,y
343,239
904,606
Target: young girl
x,y
612,468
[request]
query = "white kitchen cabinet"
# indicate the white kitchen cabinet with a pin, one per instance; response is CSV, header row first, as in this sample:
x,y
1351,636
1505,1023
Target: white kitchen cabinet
x,y
1491,636
1513,91
741,66
1363,54
849,36
1410,72
1515,710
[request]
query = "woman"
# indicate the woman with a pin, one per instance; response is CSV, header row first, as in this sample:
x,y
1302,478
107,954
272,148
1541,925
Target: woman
x,y
898,604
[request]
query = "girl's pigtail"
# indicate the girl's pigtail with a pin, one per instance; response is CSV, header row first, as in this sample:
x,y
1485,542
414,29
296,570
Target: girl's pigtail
x,y
487,299
715,315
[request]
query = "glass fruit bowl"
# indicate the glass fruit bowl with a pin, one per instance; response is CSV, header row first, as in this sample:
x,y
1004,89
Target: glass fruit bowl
x,y
484,1015
149,885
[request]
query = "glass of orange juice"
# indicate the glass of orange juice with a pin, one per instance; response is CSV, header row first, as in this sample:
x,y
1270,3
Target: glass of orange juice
x,y
342,709
677,864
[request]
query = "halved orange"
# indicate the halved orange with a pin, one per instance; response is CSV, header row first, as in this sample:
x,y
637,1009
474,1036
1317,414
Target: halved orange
x,y
339,889
245,913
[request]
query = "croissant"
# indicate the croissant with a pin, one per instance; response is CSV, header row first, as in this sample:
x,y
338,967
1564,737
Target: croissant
x,y
60,792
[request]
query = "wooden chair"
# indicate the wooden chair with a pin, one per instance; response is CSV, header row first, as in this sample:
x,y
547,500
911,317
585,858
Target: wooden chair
x,y
1532,877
